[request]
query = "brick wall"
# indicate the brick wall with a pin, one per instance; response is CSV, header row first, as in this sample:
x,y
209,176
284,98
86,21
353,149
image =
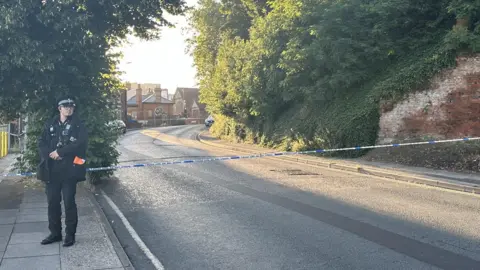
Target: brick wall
x,y
448,108
148,109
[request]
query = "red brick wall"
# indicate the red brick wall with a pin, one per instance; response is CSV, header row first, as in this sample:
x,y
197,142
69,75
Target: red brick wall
x,y
448,108
143,115
459,116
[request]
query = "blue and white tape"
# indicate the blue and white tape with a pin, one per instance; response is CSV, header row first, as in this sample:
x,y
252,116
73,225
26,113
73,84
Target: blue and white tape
x,y
274,154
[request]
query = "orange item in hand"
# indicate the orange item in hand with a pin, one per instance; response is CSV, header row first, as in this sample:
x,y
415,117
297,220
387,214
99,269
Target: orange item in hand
x,y
78,161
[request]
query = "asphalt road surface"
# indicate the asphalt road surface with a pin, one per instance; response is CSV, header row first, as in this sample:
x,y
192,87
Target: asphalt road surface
x,y
267,214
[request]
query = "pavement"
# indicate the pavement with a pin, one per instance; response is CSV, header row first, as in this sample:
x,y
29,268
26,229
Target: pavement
x,y
269,214
6,164
23,224
437,178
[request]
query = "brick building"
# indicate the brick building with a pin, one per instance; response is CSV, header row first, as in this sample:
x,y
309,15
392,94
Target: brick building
x,y
186,99
142,101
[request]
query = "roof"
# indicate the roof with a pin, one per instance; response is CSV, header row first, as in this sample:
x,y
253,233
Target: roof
x,y
148,98
190,95
131,93
200,106
153,99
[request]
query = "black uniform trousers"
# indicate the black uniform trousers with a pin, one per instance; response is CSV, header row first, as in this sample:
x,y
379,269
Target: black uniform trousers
x,y
56,188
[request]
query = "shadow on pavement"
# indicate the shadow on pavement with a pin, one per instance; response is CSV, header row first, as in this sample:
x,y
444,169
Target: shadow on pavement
x,y
11,193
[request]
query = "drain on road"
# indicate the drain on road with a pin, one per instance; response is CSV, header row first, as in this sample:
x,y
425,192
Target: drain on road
x,y
294,172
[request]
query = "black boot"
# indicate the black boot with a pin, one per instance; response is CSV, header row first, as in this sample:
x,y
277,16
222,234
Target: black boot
x,y
69,240
52,238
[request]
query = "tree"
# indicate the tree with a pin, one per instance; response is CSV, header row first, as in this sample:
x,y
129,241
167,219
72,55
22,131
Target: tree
x,y
318,71
65,47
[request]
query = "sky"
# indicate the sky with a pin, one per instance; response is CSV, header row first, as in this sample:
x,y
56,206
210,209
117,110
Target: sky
x,y
162,61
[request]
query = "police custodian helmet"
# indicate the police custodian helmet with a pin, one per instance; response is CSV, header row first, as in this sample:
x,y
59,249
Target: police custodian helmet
x,y
67,102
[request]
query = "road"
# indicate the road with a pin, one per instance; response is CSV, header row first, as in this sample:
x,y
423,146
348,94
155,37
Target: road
x,y
269,214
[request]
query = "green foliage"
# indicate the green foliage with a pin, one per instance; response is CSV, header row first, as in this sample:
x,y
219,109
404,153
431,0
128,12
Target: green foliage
x,y
64,47
315,73
464,39
464,8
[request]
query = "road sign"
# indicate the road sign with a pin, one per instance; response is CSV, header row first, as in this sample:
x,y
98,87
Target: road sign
x,y
158,111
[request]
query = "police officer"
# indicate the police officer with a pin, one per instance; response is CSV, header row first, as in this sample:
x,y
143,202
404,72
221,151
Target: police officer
x,y
62,148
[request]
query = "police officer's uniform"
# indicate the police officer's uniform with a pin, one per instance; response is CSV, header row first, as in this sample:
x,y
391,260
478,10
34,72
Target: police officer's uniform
x,y
69,139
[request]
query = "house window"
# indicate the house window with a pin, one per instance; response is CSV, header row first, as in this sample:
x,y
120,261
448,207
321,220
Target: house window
x,y
179,107
134,115
150,113
195,113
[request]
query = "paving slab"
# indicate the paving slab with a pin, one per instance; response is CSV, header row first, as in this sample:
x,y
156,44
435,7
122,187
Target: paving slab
x,y
24,227
35,192
86,225
24,205
8,213
6,221
31,218
8,216
31,227
31,249
33,211
82,210
35,200
32,263
98,250
6,230
3,243
25,238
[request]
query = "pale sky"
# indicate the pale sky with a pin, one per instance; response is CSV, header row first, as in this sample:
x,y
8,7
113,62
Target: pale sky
x,y
162,61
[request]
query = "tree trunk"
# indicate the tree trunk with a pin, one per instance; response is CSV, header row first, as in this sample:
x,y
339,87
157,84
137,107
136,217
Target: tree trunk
x,y
464,22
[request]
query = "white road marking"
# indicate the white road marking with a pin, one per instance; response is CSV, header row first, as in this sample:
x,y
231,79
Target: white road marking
x,y
155,261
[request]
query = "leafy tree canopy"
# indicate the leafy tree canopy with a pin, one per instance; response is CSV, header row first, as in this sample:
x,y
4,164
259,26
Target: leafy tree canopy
x,y
53,48
318,70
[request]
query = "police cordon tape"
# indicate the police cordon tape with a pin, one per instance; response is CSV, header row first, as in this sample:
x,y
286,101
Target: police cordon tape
x,y
272,154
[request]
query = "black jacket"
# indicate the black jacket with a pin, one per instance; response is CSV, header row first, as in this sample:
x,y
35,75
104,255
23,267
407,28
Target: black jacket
x,y
76,147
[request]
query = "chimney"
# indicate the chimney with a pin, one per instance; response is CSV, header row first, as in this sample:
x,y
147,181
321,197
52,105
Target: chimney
x,y
139,98
138,95
158,94
165,93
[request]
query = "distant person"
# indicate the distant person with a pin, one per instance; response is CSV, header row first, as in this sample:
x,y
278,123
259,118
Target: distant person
x,y
62,147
